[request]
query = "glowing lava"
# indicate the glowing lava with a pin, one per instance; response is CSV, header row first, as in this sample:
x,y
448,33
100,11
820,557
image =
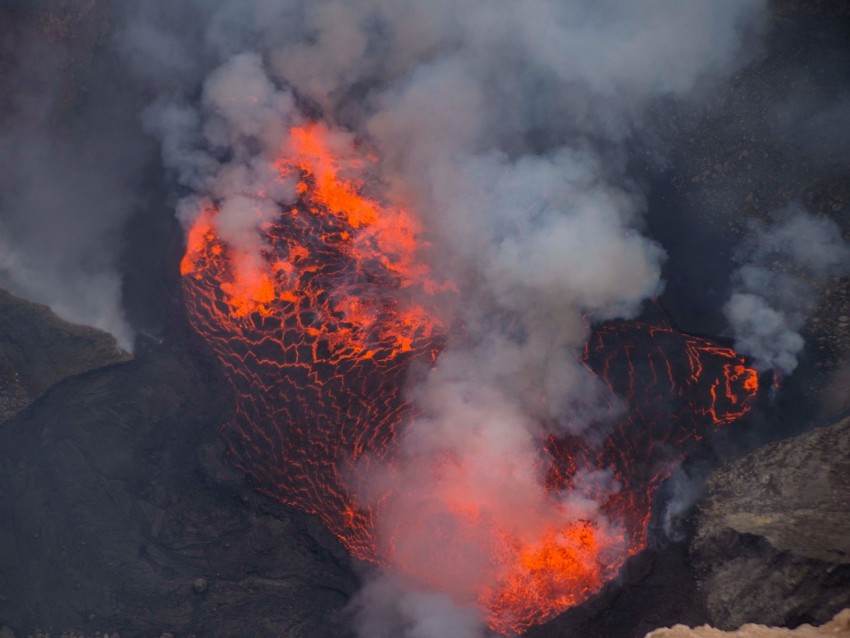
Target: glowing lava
x,y
316,338
312,335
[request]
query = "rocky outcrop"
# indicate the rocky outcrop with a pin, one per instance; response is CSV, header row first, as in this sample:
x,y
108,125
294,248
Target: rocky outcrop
x,y
38,350
118,514
838,627
772,544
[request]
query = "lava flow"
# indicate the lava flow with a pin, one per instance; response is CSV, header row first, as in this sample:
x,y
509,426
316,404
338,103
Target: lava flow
x,y
316,338
676,388
312,336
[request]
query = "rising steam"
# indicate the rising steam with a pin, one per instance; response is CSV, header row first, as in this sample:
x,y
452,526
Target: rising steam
x,y
503,126
66,188
774,289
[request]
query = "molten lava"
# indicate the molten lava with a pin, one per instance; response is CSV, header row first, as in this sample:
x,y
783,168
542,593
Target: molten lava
x,y
312,335
316,334
677,387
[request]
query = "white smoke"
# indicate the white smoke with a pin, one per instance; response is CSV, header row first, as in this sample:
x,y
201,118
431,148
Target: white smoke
x,y
775,288
387,608
503,125
245,118
684,488
66,189
506,126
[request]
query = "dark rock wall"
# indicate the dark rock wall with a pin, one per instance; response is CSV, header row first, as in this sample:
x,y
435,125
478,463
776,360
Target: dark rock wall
x,y
118,514
37,350
772,544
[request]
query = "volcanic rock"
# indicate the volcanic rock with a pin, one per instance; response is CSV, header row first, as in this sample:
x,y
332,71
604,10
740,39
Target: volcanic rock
x,y
772,544
110,517
838,626
200,585
38,350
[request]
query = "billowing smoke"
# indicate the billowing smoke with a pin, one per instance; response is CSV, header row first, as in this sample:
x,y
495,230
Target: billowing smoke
x,y
503,125
775,289
245,119
67,187
387,607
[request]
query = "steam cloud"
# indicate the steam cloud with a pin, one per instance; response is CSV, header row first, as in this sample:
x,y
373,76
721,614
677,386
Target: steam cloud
x,y
66,187
774,290
504,126
385,608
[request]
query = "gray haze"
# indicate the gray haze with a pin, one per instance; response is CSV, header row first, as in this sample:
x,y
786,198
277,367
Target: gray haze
x,y
503,125
71,161
775,287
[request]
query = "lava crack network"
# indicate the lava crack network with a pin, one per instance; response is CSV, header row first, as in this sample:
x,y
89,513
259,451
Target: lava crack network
x,y
316,339
313,336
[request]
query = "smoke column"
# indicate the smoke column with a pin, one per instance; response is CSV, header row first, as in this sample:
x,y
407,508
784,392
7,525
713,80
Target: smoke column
x,y
66,187
503,127
774,289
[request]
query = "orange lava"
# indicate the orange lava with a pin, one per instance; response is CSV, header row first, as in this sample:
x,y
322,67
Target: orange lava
x,y
562,569
314,334
317,332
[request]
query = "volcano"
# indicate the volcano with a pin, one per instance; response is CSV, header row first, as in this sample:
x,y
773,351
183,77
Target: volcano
x,y
316,339
430,319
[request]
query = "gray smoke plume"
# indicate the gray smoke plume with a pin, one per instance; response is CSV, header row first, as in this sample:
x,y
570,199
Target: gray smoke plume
x,y
388,608
68,185
775,288
503,125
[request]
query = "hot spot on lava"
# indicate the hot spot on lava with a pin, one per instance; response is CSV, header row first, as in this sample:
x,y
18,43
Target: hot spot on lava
x,y
316,331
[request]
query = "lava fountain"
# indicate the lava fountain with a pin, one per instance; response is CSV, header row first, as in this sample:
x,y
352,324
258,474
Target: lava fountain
x,y
317,331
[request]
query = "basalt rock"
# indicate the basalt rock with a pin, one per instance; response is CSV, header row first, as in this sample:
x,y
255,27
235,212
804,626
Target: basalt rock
x,y
38,350
115,504
772,544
